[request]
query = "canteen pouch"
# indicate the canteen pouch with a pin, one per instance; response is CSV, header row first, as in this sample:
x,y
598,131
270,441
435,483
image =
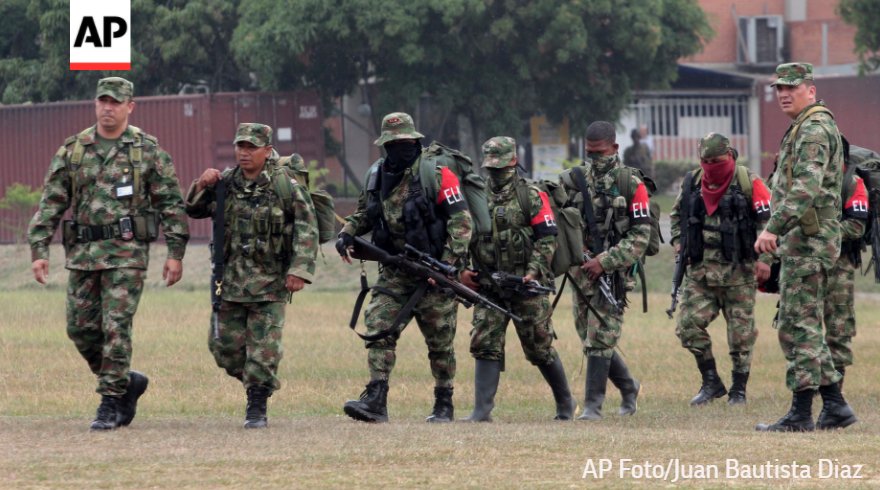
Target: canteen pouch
x,y
809,222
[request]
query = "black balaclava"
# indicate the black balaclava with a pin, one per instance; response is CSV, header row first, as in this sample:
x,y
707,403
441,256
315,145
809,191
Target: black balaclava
x,y
401,156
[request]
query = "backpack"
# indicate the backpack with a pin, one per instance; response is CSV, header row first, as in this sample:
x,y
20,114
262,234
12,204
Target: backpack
x,y
294,167
569,225
866,164
473,186
624,179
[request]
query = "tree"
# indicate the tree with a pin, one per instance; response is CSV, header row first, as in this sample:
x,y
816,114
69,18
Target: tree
x,y
496,62
20,200
865,15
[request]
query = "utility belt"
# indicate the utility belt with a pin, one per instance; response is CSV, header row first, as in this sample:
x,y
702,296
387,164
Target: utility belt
x,y
143,228
809,222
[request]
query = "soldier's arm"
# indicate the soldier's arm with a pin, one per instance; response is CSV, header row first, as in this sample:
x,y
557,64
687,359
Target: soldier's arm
x,y
53,204
814,152
164,191
544,231
459,227
761,208
633,245
855,212
305,235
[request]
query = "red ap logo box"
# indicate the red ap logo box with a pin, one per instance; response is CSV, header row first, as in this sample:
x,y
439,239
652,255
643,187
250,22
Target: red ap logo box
x,y
100,34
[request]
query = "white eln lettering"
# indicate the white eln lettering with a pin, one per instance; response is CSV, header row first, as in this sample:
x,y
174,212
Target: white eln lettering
x,y
762,206
549,221
861,206
640,210
452,195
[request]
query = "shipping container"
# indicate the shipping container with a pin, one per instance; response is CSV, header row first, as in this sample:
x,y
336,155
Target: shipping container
x,y
196,130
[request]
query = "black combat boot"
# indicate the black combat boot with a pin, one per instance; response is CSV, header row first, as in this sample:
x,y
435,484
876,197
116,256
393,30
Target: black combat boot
x,y
836,413
486,377
629,387
799,417
737,393
255,415
597,379
554,373
137,385
712,387
443,410
105,418
372,405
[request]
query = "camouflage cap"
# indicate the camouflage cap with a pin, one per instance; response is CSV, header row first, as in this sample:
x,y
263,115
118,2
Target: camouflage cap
x,y
397,126
255,133
118,88
498,152
714,145
793,74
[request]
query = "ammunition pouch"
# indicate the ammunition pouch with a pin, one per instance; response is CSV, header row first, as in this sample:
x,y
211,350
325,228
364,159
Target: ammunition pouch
x,y
145,229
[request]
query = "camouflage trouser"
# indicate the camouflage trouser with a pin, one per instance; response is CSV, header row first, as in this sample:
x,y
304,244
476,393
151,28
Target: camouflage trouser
x,y
535,331
100,308
435,315
249,347
803,282
700,305
599,337
840,313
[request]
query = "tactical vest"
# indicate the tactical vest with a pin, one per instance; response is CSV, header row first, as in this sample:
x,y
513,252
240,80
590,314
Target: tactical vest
x,y
737,221
423,228
512,236
258,227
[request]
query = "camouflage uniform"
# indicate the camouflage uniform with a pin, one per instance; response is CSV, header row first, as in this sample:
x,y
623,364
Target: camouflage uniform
x,y
599,323
840,315
108,266
600,337
639,156
717,284
267,238
435,313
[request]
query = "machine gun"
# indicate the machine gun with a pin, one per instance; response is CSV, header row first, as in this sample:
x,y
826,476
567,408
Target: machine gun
x,y
419,264
515,284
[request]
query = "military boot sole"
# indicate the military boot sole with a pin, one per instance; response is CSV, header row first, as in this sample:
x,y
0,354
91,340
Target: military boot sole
x,y
101,426
590,416
137,386
358,413
256,424
704,399
777,427
567,415
433,419
837,424
736,400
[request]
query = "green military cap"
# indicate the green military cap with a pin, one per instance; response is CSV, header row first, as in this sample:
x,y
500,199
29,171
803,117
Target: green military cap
x,y
255,133
793,74
714,145
498,152
116,87
397,126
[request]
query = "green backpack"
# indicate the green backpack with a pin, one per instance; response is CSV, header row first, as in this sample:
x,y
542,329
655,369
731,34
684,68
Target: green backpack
x,y
473,186
569,225
294,166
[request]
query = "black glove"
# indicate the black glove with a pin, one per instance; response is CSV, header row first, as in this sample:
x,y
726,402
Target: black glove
x,y
343,242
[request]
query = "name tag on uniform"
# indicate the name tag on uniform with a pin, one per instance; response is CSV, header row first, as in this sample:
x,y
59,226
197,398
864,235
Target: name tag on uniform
x,y
124,190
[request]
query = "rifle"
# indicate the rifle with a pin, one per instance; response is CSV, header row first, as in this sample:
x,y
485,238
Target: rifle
x,y
419,264
218,266
605,288
514,283
681,257
875,248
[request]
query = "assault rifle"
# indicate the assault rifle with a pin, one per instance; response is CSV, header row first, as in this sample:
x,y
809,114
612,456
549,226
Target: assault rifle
x,y
875,247
605,287
419,264
514,283
684,210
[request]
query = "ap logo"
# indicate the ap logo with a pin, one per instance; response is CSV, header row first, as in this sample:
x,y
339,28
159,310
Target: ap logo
x,y
100,34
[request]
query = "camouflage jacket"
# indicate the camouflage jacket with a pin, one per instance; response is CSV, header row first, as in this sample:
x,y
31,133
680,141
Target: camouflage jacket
x,y
267,238
630,216
714,270
520,244
155,189
815,160
458,225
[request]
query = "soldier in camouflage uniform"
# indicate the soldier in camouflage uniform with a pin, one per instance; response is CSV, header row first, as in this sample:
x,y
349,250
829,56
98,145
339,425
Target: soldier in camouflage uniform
x,y
394,207
804,232
639,155
119,186
271,240
522,245
727,207
840,315
615,250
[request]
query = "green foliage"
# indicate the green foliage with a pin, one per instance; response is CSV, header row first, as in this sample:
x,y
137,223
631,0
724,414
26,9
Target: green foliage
x,y
317,175
20,200
865,16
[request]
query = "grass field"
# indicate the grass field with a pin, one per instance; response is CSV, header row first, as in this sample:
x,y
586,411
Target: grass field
x,y
188,430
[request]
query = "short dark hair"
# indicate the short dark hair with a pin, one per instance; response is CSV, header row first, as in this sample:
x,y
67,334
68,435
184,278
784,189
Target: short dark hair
x,y
601,131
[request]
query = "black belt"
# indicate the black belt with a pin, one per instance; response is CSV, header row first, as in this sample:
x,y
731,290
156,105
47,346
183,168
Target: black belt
x,y
94,233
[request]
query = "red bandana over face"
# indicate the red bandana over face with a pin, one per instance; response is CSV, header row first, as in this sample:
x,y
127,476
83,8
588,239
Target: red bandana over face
x,y
713,184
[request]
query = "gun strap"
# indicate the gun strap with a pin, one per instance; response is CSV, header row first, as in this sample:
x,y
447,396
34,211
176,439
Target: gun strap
x,y
559,293
586,300
218,239
402,316
641,270
589,214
